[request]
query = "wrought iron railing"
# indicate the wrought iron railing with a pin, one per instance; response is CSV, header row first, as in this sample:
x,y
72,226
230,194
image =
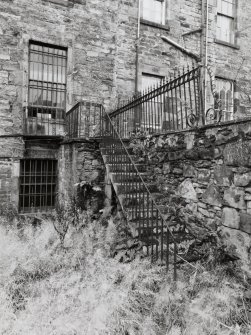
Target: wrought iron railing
x,y
136,198
84,120
174,104
44,122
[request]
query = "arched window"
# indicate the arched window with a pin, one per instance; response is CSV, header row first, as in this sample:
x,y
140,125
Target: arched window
x,y
225,89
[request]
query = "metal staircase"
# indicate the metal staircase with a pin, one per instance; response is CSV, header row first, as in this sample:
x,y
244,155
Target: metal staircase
x,y
137,198
174,104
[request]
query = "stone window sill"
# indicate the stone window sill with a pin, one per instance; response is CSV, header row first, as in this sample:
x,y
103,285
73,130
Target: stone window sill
x,y
64,3
234,46
155,25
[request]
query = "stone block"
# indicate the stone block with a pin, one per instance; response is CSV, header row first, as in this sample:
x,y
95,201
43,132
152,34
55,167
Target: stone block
x,y
234,197
242,179
204,175
192,207
186,190
245,223
189,171
231,218
204,212
212,196
237,154
223,175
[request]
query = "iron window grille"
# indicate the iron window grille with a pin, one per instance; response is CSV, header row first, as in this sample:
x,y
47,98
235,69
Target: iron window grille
x,y
153,11
47,86
226,17
38,182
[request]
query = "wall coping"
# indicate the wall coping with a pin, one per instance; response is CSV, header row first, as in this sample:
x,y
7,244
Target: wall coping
x,y
205,127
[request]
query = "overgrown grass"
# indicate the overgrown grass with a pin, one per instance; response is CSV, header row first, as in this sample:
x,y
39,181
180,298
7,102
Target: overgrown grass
x,y
50,289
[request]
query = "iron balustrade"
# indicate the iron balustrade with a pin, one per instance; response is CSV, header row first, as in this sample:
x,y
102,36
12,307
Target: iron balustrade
x,y
136,198
174,104
44,122
84,120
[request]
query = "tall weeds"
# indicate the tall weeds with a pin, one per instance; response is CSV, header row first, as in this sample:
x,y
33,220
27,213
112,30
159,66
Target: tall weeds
x,y
50,286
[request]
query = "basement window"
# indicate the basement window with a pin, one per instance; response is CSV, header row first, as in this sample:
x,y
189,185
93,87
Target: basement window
x,y
38,180
225,90
153,11
47,81
226,17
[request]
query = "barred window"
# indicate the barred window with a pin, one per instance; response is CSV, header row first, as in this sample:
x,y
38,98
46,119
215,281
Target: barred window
x,y
226,15
38,180
47,81
153,10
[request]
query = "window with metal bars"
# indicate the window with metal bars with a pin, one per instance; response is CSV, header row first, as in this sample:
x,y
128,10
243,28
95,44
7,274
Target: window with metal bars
x,y
38,182
226,17
47,81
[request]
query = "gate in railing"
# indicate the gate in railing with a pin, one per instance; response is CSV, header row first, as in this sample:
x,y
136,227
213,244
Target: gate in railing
x,y
175,104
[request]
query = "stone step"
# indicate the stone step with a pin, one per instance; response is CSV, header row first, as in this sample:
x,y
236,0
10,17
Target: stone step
x,y
121,159
132,187
131,177
116,151
127,167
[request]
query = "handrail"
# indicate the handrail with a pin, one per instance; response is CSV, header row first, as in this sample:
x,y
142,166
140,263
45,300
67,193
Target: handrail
x,y
161,216
171,104
135,167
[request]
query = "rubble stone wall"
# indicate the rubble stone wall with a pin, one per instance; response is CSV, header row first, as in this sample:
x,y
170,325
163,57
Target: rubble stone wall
x,y
80,166
208,172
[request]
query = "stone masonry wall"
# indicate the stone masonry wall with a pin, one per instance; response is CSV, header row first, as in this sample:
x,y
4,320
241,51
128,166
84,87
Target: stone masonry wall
x,y
11,150
231,62
208,171
100,37
80,167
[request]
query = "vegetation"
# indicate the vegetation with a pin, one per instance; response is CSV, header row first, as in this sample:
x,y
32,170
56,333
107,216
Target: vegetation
x,y
68,285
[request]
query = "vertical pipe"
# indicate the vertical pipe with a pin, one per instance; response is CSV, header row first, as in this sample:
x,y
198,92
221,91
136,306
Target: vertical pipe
x,y
206,59
137,48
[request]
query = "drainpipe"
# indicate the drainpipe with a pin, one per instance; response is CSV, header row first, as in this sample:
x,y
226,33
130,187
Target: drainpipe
x,y
206,58
137,50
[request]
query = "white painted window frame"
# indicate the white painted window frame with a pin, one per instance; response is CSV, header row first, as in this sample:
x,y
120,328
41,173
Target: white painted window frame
x,y
222,13
162,14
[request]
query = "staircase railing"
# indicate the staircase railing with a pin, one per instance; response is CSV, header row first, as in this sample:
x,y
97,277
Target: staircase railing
x,y
173,104
138,203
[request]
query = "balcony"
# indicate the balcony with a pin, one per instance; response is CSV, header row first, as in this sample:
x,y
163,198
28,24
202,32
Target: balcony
x,y
84,120
44,122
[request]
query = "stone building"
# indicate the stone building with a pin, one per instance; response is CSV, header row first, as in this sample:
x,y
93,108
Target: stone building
x,y
54,53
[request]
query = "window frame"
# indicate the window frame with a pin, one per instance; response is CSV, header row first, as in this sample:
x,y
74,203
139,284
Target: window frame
x,y
225,111
233,20
43,108
152,21
147,116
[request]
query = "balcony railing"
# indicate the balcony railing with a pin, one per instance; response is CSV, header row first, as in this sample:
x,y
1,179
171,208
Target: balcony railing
x,y
84,120
44,122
